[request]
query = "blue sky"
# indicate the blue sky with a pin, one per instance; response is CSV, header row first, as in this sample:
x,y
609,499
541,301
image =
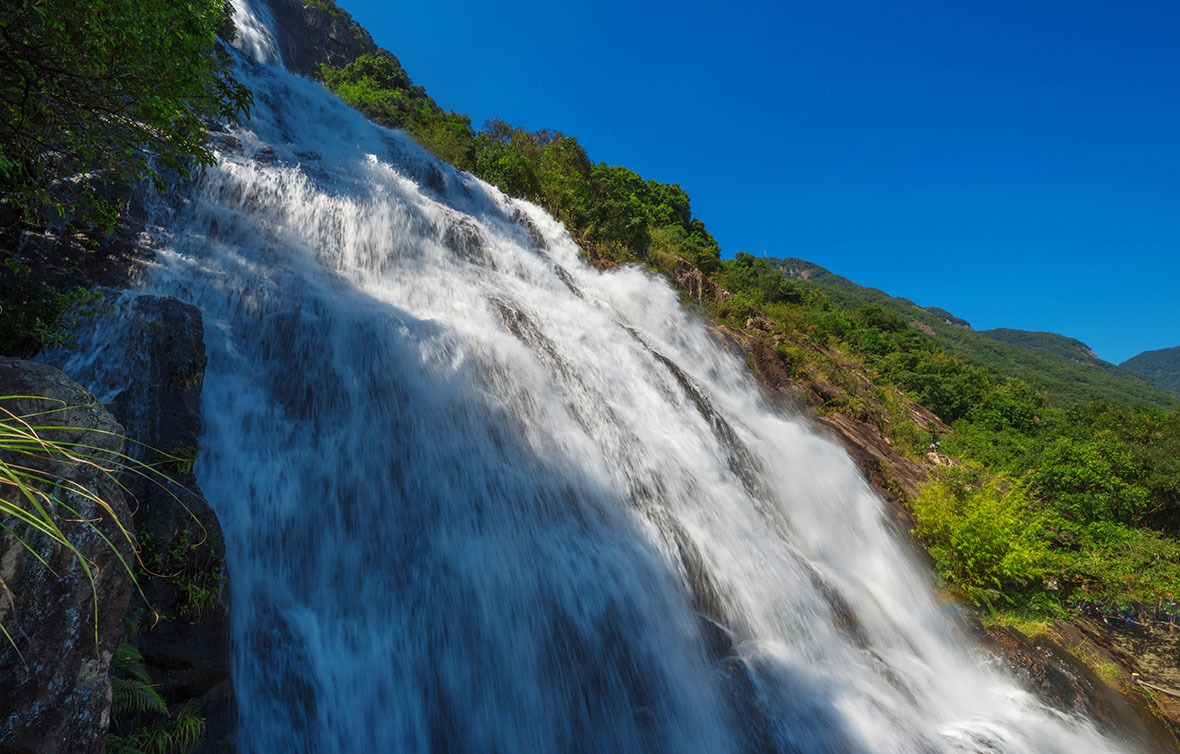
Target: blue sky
x,y
1016,163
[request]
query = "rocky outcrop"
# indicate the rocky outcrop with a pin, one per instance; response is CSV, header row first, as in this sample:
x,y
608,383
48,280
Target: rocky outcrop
x,y
145,356
1065,682
311,32
1146,651
64,624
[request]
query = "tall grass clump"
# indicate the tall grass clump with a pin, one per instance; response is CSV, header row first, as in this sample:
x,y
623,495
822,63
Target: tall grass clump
x,y
48,472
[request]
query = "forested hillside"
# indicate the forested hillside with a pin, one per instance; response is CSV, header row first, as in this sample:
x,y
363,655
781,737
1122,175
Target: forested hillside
x,y
1161,367
1062,368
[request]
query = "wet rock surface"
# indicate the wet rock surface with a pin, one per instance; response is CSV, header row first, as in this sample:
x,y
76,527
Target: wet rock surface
x,y
145,356
1047,667
311,34
1146,651
55,690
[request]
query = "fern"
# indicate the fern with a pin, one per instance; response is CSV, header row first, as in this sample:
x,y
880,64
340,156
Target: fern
x,y
129,661
133,696
175,736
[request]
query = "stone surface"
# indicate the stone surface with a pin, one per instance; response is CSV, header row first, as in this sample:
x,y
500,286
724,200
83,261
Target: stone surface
x,y
1138,645
311,34
1065,682
145,356
55,691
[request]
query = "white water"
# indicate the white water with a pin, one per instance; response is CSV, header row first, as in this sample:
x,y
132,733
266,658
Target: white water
x,y
479,497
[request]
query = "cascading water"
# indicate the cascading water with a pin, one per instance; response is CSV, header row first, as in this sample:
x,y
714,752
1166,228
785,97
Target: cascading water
x,y
479,497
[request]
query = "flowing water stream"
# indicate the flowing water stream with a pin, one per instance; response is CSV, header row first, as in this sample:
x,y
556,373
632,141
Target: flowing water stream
x,y
479,497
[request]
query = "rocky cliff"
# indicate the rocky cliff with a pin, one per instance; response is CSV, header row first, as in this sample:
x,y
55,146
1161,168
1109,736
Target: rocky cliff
x,y
144,357
315,32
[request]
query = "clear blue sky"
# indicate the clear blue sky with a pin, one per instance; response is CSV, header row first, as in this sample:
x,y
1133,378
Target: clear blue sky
x,y
1014,162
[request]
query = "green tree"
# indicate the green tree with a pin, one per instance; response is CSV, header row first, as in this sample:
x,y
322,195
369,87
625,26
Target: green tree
x,y
1093,479
509,157
748,273
987,540
617,220
564,172
115,90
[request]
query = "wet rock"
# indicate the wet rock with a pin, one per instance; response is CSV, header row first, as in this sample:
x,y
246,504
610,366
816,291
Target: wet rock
x,y
55,689
526,222
435,180
1139,645
145,356
463,237
1064,682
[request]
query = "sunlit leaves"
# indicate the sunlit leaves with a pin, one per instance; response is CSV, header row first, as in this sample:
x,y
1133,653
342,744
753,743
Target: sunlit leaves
x,y
113,91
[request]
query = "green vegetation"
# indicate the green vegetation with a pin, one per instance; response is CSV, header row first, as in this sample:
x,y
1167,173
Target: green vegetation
x,y
181,460
987,539
1055,366
36,314
141,722
34,505
95,96
198,584
1068,348
1161,367
612,211
113,91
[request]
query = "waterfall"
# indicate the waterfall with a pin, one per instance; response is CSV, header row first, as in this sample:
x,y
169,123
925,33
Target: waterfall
x,y
480,497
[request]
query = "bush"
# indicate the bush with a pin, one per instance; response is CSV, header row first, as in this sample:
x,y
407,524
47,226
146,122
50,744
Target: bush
x,y
987,539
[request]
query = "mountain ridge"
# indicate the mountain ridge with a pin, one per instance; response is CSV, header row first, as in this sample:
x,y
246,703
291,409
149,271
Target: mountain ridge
x,y
1161,366
1064,368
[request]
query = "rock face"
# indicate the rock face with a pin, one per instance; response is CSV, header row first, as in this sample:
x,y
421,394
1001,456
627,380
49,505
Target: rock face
x,y
310,33
145,356
55,690
1150,649
1066,683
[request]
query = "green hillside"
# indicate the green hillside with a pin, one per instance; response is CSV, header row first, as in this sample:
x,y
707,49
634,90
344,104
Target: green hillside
x,y
1064,369
1049,342
1161,367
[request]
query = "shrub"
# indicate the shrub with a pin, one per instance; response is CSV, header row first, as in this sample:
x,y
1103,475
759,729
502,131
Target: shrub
x,y
986,539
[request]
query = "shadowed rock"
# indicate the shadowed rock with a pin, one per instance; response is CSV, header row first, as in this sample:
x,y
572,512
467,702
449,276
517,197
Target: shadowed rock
x,y
55,689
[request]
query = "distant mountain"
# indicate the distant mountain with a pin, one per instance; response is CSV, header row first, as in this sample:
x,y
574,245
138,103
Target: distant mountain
x,y
1161,367
1050,342
1063,368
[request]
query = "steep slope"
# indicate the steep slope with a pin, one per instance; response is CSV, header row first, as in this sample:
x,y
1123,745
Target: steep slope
x,y
1162,367
1063,368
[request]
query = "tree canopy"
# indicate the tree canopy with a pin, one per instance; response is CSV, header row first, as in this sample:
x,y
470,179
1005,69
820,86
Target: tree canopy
x,y
114,90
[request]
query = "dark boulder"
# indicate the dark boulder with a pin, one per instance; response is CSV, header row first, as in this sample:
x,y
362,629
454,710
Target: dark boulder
x,y
55,689
313,33
145,356
1065,682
